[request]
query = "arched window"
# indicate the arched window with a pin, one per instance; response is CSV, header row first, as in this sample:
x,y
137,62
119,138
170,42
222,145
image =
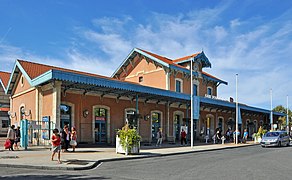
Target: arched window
x,y
178,85
22,112
210,91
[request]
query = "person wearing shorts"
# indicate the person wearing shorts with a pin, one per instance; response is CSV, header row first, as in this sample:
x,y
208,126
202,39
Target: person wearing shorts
x,y
56,145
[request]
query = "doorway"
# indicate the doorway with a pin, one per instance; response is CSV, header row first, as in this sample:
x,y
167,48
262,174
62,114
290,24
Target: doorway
x,y
100,119
65,115
156,124
177,125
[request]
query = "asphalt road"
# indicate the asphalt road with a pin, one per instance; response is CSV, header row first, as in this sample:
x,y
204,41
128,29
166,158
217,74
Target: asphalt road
x,y
245,163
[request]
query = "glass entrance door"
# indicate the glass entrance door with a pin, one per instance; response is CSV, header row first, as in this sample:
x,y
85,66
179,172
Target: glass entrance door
x,y
100,125
156,119
177,127
65,116
100,132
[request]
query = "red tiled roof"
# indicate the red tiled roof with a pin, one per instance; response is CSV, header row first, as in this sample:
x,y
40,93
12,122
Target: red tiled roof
x,y
209,75
169,61
4,76
186,57
33,70
162,58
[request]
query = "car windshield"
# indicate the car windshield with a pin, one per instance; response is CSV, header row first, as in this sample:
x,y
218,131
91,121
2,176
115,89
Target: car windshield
x,y
272,134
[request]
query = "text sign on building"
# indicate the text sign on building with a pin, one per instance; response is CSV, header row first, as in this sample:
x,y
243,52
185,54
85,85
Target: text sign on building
x,y
97,118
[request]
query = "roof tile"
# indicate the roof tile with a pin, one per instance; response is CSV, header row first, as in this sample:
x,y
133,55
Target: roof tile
x,y
4,77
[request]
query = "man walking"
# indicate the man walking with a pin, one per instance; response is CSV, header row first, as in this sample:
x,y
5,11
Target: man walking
x,y
159,137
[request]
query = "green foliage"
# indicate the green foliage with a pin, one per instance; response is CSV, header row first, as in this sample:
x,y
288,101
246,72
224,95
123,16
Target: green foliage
x,y
128,137
282,109
260,132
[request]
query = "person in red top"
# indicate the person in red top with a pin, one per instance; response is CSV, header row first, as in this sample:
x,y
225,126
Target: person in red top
x,y
183,136
56,145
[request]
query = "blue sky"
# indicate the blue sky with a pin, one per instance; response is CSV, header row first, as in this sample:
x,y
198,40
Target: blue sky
x,y
252,38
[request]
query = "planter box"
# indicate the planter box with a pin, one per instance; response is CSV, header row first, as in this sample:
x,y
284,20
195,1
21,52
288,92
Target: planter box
x,y
119,148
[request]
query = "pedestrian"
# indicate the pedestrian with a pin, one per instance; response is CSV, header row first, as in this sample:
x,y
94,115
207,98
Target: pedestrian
x,y
159,137
56,145
245,135
183,136
73,141
218,135
65,138
236,133
17,138
227,134
11,136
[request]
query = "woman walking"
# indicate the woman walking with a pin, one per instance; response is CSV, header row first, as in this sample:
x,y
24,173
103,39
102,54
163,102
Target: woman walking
x,y
73,141
11,136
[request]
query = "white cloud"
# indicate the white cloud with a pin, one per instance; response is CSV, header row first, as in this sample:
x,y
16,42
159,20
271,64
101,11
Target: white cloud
x,y
260,52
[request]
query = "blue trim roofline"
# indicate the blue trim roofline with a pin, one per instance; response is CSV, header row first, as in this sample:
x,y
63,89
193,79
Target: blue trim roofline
x,y
241,106
17,65
123,62
2,84
201,56
79,78
216,80
42,78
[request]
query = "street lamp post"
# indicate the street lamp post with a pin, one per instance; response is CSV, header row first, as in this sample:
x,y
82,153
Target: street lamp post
x,y
192,121
287,117
271,115
236,109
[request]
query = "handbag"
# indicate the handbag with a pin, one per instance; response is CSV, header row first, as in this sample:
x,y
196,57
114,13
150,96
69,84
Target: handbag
x,y
73,143
7,144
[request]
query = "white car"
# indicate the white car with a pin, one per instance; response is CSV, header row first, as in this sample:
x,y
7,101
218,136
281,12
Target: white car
x,y
275,138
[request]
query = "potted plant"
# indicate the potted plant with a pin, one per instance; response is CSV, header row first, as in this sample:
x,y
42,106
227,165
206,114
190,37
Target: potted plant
x,y
127,141
258,136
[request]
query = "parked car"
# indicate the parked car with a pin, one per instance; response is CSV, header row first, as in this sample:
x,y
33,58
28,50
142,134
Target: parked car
x,y
275,138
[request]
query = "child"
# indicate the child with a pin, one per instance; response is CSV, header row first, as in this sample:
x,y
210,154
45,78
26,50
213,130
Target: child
x,y
56,145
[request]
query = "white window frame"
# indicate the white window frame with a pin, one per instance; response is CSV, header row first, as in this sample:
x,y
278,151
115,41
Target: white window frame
x,y
181,84
209,87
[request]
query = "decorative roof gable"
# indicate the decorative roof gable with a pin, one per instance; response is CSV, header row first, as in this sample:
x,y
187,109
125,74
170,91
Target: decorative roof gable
x,y
200,57
166,63
4,79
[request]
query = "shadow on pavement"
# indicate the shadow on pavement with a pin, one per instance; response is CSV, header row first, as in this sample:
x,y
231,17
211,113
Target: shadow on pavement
x,y
49,177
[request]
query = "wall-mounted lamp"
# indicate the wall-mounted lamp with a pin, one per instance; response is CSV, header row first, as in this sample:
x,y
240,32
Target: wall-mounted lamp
x,y
26,113
11,114
147,117
85,113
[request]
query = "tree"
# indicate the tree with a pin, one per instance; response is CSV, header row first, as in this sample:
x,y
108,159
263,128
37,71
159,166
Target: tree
x,y
282,120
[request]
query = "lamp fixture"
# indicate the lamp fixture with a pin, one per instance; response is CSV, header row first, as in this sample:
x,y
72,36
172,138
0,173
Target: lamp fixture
x,y
85,113
11,114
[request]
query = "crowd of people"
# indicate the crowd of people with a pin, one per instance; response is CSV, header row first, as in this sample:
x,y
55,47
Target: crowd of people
x,y
230,136
60,140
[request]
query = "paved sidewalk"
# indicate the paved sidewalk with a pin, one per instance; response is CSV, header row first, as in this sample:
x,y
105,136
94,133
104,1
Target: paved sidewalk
x,y
90,157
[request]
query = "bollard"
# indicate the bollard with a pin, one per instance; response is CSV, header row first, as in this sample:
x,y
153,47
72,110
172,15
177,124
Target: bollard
x,y
214,139
223,139
206,138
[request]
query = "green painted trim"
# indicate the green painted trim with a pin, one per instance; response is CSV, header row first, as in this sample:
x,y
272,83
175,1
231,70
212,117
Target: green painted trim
x,y
42,78
23,72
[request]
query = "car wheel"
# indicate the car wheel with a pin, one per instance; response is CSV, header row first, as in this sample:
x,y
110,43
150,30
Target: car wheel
x,y
279,144
288,143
